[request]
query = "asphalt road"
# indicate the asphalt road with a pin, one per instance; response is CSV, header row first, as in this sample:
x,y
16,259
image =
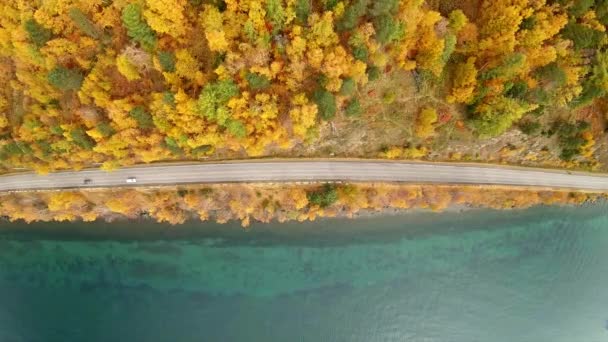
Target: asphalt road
x,y
307,170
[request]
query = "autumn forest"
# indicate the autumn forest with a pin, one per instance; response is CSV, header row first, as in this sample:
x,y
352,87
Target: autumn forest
x,y
117,82
112,83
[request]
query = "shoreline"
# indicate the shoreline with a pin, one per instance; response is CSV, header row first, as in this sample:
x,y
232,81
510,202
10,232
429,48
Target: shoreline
x,y
368,227
224,215
452,209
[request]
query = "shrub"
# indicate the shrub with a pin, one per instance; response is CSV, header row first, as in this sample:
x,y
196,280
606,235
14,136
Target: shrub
x,y
37,33
389,97
65,79
373,73
326,103
349,86
236,128
360,52
202,149
353,108
529,127
323,197
257,81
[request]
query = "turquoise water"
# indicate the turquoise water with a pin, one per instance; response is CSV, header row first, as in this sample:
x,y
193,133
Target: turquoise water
x,y
532,275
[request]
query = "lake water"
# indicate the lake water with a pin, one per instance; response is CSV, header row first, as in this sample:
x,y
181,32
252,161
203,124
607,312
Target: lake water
x,y
531,275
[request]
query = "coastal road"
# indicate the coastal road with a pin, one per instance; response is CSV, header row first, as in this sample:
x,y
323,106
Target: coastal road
x,y
308,171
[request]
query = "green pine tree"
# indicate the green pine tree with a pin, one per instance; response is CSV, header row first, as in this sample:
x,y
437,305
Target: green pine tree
x,y
65,79
83,23
37,33
137,28
143,118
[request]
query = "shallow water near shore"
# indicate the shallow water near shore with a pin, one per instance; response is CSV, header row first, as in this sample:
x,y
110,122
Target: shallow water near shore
x,y
482,275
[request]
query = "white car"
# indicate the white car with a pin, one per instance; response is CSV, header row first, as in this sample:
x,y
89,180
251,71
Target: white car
x,y
131,180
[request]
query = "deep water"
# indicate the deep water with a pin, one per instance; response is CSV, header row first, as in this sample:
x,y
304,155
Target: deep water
x,y
530,275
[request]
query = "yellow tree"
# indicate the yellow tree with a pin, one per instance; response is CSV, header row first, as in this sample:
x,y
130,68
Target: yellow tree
x,y
125,202
320,36
303,116
127,68
465,80
53,14
165,206
212,22
66,201
186,65
425,123
430,47
167,16
548,22
336,63
97,85
499,22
